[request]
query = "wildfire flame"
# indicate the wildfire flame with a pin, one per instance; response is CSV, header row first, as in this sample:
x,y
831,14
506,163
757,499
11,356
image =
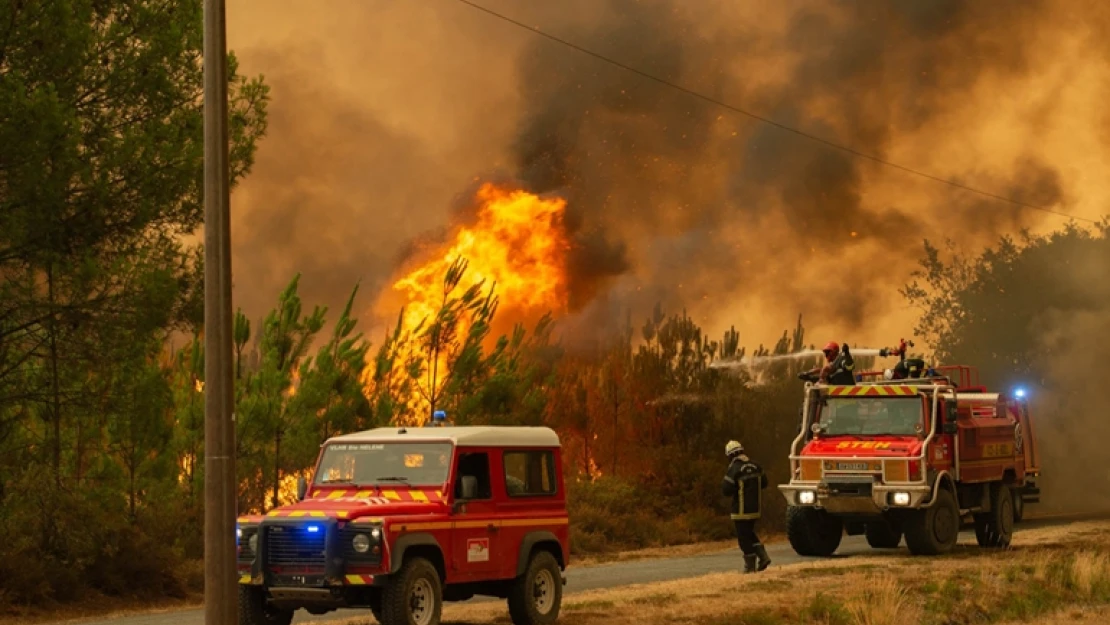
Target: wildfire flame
x,y
517,246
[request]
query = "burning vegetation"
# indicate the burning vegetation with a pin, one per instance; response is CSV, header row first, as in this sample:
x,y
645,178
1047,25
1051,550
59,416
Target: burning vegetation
x,y
457,296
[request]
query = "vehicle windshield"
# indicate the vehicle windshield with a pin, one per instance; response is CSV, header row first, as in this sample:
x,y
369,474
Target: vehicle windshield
x,y
393,464
871,416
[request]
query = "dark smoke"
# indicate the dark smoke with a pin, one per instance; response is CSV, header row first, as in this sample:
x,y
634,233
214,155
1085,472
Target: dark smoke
x,y
653,168
384,117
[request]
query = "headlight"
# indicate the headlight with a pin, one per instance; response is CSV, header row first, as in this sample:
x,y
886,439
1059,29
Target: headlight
x,y
253,543
806,497
361,543
901,499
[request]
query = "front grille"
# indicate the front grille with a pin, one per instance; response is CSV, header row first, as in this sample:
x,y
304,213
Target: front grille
x,y
295,545
246,556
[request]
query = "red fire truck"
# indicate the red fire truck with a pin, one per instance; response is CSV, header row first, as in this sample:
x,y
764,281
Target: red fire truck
x,y
401,520
910,457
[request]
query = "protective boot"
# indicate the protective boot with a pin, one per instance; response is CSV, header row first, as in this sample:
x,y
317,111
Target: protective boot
x,y
749,563
764,559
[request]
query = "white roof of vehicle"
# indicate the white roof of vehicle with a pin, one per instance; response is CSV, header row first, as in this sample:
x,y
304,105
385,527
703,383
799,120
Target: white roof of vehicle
x,y
463,436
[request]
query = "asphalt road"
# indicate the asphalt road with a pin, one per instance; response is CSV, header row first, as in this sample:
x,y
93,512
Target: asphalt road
x,y
604,576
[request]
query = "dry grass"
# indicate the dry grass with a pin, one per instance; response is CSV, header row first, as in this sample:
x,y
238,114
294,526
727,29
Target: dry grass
x,y
102,609
885,603
1042,579
1086,615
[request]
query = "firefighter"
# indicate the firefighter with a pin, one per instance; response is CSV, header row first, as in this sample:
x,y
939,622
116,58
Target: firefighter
x,y
744,481
838,367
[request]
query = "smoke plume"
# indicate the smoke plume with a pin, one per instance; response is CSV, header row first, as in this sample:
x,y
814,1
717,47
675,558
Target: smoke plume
x,y
382,115
1073,339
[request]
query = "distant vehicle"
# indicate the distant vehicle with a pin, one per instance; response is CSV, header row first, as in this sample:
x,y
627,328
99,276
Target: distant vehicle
x,y
911,457
399,520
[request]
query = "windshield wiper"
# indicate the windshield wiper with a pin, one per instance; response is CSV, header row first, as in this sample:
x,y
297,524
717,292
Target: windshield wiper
x,y
392,478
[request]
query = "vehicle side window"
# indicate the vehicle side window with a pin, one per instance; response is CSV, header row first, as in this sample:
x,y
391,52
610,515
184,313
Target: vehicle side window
x,y
477,465
529,473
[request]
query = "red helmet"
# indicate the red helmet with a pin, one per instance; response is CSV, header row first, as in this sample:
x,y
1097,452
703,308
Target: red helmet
x,y
830,350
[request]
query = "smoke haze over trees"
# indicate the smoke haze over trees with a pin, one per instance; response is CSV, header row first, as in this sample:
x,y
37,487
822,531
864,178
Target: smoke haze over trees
x,y
671,198
1033,312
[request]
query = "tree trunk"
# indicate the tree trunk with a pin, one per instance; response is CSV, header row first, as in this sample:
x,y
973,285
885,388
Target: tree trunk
x,y
616,424
131,470
56,412
277,466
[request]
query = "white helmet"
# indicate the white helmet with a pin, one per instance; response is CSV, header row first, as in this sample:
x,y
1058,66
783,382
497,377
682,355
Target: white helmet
x,y
733,448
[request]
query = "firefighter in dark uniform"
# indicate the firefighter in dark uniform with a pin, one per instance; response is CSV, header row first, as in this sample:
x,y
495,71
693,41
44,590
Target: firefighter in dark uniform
x,y
838,368
744,482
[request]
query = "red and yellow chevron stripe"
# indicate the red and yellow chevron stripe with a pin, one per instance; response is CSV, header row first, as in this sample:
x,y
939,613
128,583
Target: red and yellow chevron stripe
x,y
872,391
384,496
358,580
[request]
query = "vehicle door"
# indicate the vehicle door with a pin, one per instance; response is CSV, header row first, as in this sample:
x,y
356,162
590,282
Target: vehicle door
x,y
476,544
530,502
941,451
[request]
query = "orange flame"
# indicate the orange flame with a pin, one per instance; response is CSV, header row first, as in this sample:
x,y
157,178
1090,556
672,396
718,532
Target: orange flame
x,y
517,247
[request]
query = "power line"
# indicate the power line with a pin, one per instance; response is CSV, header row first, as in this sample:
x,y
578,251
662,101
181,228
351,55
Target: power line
x,y
765,120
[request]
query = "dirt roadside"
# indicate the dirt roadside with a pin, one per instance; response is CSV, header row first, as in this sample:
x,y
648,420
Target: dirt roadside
x,y
107,608
1050,574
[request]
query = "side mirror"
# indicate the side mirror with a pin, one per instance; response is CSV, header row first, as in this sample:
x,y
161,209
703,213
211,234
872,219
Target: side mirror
x,y
302,488
951,428
469,487
951,412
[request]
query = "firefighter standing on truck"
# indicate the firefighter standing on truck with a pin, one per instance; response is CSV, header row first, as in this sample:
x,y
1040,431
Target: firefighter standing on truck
x,y
744,481
838,368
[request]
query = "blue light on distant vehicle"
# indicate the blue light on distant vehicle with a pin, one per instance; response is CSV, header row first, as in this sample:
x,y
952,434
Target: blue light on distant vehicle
x,y
312,529
1019,393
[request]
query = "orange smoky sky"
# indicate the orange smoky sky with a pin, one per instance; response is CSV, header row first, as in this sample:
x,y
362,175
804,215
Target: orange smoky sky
x,y
386,114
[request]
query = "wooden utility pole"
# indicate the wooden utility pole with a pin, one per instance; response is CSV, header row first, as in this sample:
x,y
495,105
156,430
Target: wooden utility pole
x,y
220,584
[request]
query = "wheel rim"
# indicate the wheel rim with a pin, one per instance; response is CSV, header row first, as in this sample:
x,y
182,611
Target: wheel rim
x,y
1006,523
543,591
421,602
944,525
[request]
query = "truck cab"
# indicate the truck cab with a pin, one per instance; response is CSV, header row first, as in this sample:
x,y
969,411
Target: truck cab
x,y
399,520
909,458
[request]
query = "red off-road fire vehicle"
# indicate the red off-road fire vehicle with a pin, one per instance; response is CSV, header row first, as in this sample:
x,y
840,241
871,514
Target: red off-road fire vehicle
x,y
400,520
910,457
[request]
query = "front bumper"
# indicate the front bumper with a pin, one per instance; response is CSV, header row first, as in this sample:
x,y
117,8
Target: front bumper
x,y
300,564
856,497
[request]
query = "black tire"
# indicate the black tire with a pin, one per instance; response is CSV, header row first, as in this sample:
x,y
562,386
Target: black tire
x,y
995,529
536,597
813,532
882,535
414,596
1019,506
253,609
935,530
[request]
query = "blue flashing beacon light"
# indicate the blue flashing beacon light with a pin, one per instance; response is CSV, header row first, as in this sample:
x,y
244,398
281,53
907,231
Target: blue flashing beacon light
x,y
313,529
1019,392
439,417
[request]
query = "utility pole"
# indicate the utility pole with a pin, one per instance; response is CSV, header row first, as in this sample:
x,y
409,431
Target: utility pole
x,y
220,584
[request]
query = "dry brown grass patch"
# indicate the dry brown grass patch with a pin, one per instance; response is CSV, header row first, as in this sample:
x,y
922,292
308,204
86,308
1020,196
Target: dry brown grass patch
x,y
974,585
